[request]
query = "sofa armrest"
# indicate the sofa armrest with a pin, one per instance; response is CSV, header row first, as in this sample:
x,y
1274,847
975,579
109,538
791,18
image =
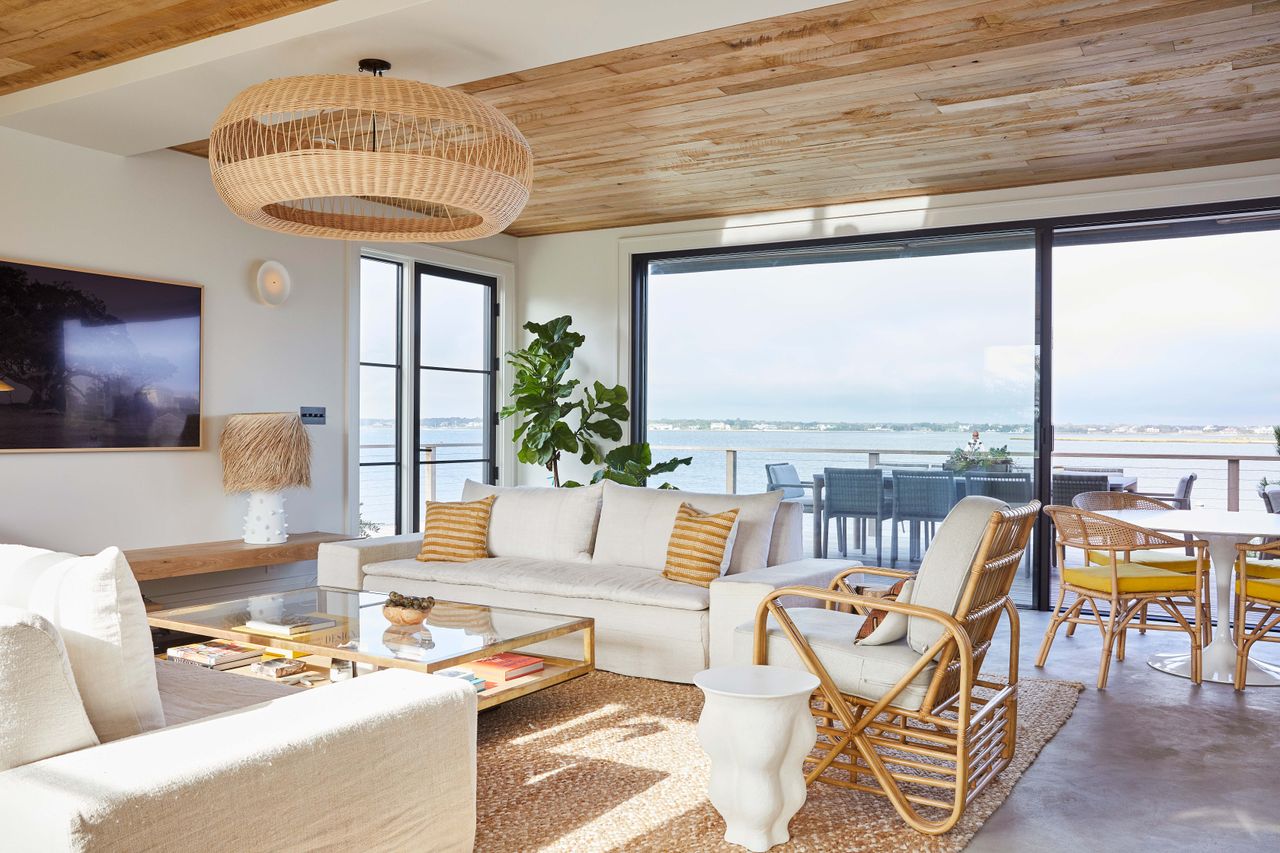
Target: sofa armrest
x,y
341,564
735,598
306,771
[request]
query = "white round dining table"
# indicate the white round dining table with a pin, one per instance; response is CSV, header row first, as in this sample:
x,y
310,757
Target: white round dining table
x,y
1223,530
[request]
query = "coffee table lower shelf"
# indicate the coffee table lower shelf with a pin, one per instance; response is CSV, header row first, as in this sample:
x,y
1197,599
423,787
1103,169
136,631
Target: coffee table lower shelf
x,y
555,671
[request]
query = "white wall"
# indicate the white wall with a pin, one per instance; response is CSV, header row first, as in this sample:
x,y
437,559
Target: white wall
x,y
587,274
156,216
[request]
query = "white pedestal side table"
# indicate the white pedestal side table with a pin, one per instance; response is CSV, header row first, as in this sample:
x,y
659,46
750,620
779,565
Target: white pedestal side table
x,y
757,729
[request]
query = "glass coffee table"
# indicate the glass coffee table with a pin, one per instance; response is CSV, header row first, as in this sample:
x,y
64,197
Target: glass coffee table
x,y
451,634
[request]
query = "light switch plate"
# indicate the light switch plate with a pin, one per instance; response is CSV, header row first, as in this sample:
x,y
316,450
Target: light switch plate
x,y
312,415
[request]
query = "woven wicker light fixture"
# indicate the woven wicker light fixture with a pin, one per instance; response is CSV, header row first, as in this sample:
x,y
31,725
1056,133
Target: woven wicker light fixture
x,y
369,158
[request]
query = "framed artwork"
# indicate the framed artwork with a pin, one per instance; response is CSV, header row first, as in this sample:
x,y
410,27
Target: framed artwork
x,y
91,361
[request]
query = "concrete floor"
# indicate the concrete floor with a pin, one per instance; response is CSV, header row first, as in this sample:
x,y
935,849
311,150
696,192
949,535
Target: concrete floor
x,y
1151,763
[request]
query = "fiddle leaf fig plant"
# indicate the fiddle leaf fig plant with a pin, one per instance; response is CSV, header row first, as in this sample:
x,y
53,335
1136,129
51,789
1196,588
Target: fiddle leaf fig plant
x,y
554,417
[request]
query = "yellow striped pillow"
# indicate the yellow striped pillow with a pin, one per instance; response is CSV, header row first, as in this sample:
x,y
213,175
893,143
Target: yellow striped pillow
x,y
456,532
700,545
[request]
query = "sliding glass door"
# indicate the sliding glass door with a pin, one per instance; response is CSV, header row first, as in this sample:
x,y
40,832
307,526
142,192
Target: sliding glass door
x,y
911,363
426,430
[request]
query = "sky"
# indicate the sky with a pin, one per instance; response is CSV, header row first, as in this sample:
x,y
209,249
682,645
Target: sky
x,y
1163,331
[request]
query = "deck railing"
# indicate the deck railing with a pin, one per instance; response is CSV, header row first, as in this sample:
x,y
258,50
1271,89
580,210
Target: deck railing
x,y
1222,477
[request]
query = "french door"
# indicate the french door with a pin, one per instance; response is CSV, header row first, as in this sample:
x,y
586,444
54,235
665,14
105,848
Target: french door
x,y
428,372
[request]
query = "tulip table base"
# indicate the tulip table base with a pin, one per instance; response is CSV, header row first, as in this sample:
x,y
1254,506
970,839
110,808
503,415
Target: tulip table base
x,y
1218,663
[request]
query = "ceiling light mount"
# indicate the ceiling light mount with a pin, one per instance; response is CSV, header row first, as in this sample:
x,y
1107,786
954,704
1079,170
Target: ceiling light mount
x,y
376,67
368,157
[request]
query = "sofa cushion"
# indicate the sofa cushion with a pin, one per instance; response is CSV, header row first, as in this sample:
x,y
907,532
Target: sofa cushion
x,y
944,572
40,709
193,692
635,525
624,584
865,671
95,604
540,523
701,545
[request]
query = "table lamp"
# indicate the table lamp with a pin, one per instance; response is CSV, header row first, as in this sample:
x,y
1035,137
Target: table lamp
x,y
264,453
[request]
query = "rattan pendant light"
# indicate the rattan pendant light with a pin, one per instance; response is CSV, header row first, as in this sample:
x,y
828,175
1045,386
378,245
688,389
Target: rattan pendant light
x,y
367,157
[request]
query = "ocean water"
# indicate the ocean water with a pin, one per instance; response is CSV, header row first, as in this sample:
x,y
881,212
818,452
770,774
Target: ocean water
x,y
811,451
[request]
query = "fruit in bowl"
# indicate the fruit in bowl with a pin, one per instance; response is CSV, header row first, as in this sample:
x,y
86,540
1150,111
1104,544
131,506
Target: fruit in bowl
x,y
406,609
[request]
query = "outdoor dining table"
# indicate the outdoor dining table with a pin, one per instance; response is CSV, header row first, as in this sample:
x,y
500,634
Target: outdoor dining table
x,y
1115,483
1223,530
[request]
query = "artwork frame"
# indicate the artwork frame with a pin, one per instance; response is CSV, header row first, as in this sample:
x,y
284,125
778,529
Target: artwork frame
x,y
127,354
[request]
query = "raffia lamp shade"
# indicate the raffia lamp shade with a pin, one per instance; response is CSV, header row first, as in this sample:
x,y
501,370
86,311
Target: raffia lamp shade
x,y
369,158
264,453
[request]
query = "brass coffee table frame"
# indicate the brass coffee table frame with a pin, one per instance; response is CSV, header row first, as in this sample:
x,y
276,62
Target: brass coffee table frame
x,y
556,670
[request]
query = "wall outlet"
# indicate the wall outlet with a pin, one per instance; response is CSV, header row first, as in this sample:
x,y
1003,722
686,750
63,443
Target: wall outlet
x,y
312,415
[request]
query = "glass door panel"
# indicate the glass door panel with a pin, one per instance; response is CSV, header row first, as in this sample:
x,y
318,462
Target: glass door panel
x,y
457,370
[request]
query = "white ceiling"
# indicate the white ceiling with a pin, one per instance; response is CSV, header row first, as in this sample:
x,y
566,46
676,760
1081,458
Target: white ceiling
x,y
174,96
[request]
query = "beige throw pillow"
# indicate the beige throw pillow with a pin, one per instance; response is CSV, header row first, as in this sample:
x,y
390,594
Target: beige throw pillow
x,y
41,714
96,606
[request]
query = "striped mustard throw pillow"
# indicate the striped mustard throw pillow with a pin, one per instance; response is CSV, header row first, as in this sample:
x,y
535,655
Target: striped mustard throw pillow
x,y
700,545
456,532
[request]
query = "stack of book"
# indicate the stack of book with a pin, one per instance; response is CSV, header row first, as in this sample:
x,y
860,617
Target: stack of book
x,y
507,666
290,624
214,654
467,675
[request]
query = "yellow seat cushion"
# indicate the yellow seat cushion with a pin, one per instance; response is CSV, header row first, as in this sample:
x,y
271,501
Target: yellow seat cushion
x,y
1133,577
1174,560
1267,588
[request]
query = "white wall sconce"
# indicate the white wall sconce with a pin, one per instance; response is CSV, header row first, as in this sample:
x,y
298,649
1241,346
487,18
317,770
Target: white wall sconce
x,y
274,283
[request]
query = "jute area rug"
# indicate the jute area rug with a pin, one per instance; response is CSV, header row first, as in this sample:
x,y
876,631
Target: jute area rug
x,y
608,763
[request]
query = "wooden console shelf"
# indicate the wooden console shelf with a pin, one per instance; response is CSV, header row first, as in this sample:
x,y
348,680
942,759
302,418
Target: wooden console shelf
x,y
173,561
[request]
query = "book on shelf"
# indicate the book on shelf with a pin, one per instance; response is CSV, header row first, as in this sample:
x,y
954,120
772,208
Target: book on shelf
x,y
467,675
507,666
291,624
278,667
214,654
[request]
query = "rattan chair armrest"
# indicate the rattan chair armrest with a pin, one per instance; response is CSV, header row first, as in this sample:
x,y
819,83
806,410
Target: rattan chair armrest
x,y
871,570
949,623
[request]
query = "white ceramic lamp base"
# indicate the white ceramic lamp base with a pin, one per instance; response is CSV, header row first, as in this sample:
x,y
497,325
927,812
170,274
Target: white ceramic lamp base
x,y
264,522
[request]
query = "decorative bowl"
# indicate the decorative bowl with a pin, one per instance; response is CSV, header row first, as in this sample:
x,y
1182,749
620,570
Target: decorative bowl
x,y
403,615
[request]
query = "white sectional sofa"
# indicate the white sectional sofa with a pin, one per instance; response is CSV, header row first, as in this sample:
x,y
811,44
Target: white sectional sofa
x,y
598,551
98,754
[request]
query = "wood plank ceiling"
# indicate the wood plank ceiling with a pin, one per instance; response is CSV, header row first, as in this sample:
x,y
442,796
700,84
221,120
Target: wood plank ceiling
x,y
46,40
877,98
874,99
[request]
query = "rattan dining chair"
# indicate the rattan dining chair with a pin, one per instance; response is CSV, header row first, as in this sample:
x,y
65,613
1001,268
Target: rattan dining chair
x,y
1161,558
1124,587
919,498
1258,595
909,717
858,494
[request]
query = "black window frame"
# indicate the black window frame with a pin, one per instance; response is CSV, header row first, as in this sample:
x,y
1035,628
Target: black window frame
x,y
1047,230
488,455
398,462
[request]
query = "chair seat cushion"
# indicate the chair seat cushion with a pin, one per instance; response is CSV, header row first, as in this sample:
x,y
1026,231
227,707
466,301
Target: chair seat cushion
x,y
1264,588
867,672
1174,560
623,584
1132,577
1169,559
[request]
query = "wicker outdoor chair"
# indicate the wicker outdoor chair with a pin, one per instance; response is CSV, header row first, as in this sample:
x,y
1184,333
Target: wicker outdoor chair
x,y
858,494
1125,587
1064,486
1257,594
920,498
904,712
